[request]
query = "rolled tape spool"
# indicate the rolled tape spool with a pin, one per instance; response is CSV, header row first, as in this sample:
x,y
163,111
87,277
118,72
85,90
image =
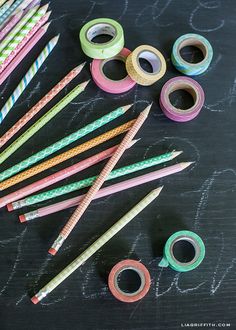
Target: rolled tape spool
x,y
137,267
154,57
169,258
97,27
189,85
106,84
191,39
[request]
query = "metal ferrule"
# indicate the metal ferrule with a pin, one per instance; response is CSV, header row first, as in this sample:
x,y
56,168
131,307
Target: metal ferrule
x,y
31,215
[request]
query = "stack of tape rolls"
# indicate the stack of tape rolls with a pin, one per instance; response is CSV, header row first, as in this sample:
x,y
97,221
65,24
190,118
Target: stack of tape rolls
x,y
101,53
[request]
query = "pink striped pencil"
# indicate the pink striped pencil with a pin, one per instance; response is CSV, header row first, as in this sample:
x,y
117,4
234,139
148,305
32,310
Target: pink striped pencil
x,y
56,177
76,216
117,187
40,104
10,24
27,38
23,53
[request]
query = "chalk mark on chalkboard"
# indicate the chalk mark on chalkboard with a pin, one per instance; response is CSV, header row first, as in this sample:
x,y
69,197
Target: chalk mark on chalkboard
x,y
126,4
5,87
26,100
195,11
214,286
21,299
60,17
17,259
170,147
155,13
94,3
174,283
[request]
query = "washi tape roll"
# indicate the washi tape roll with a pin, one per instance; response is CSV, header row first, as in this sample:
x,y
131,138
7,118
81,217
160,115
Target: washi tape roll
x,y
109,85
191,39
98,27
154,57
169,257
190,86
143,273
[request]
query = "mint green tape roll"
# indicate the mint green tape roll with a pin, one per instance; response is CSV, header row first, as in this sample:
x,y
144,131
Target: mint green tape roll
x,y
191,39
97,27
169,258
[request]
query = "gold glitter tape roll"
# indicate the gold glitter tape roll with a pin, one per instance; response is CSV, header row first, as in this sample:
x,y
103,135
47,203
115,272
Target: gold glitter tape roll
x,y
154,57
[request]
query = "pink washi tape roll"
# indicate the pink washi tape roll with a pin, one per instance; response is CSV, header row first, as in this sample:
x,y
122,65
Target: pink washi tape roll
x,y
190,86
131,265
109,85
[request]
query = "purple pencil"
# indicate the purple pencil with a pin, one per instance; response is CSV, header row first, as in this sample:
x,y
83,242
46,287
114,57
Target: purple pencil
x,y
105,191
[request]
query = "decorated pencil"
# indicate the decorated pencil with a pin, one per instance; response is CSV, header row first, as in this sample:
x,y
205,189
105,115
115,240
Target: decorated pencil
x,y
28,77
96,245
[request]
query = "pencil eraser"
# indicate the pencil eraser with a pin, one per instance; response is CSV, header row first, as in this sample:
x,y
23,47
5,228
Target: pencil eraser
x,y
9,207
52,251
22,218
34,300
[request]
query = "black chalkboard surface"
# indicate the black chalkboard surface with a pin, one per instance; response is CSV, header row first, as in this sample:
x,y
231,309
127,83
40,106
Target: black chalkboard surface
x,y
201,198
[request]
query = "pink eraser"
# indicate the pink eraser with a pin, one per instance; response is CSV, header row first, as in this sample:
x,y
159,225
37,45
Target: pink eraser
x,y
9,207
52,251
34,300
22,218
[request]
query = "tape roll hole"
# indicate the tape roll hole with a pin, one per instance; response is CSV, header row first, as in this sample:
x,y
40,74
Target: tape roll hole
x,y
101,33
149,62
129,281
192,51
114,69
182,96
185,250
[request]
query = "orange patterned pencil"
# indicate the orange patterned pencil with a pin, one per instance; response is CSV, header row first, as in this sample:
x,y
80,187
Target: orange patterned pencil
x,y
65,155
99,182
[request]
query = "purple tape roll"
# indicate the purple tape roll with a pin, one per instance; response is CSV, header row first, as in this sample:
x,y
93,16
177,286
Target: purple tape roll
x,y
190,86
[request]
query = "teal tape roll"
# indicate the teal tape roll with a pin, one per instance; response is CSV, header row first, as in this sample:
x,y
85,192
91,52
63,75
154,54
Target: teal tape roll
x,y
169,258
97,27
191,39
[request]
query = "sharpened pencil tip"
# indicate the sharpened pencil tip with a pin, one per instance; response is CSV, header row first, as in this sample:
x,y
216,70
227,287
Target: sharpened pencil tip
x,y
133,142
147,109
45,7
186,164
79,67
55,39
127,107
84,84
176,153
46,26
157,190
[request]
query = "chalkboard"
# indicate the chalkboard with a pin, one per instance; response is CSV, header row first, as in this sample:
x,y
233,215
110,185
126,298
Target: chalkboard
x,y
201,198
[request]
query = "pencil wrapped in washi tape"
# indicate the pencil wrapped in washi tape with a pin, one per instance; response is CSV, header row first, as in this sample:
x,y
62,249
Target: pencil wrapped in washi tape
x,y
26,40
12,22
28,77
40,104
16,5
64,142
11,49
84,183
21,54
66,155
66,272
76,216
41,122
17,28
